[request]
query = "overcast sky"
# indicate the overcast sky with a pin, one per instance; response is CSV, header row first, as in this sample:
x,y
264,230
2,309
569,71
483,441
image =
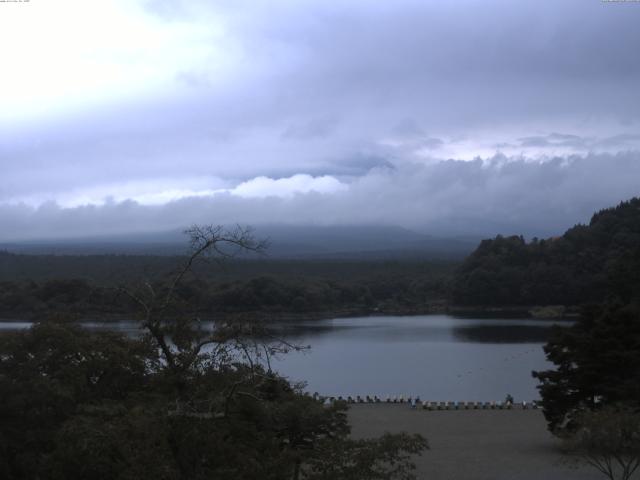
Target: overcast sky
x,y
480,117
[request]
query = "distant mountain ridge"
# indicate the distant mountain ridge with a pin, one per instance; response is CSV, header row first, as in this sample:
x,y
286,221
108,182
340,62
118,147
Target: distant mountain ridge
x,y
286,241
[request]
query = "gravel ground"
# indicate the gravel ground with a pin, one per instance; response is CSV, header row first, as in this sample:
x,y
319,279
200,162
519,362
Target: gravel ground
x,y
475,444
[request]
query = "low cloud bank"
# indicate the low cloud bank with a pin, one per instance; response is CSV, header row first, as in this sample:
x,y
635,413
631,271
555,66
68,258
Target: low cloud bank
x,y
496,195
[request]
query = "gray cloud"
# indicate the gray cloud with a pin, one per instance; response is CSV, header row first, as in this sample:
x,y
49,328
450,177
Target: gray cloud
x,y
375,94
576,143
555,140
313,128
497,195
624,141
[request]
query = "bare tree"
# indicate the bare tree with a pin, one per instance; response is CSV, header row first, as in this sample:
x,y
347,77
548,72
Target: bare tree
x,y
181,339
609,440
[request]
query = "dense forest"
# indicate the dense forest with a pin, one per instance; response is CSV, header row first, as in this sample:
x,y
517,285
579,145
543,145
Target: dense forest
x,y
588,264
33,286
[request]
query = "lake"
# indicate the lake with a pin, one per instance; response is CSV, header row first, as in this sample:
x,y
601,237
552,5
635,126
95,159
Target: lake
x,y
438,357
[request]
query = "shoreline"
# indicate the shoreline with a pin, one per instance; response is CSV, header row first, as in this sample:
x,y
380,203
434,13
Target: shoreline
x,y
551,312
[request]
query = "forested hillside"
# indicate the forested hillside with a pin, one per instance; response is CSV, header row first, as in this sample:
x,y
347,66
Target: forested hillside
x,y
589,263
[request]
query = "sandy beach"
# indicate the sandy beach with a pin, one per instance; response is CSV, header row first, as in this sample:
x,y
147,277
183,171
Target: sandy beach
x,y
475,444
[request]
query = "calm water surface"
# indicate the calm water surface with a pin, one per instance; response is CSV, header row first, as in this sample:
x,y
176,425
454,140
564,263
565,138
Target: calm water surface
x,y
438,357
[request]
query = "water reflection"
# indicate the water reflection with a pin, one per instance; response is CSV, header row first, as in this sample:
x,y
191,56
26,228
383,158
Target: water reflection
x,y
9,326
438,357
427,328
502,333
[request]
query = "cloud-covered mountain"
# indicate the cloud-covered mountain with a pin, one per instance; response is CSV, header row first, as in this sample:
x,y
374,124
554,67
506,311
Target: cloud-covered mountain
x,y
284,241
443,198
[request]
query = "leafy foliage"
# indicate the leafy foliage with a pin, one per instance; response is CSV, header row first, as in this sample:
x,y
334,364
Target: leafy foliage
x,y
597,364
48,373
79,405
587,264
180,402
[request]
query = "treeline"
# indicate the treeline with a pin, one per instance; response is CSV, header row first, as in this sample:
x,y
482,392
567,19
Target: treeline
x,y
588,264
109,269
379,287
